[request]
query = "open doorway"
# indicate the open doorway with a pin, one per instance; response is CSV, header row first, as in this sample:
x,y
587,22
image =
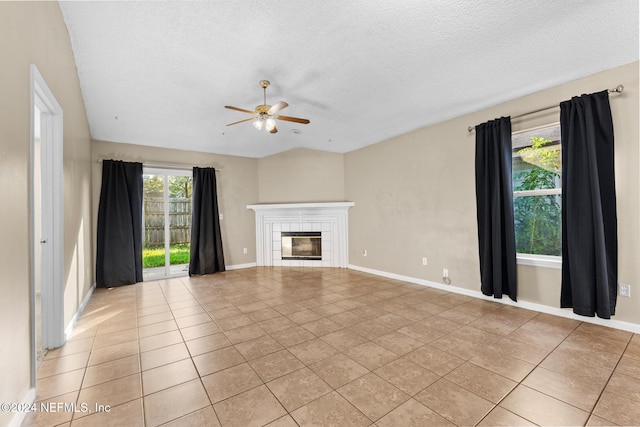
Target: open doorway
x,y
46,221
166,220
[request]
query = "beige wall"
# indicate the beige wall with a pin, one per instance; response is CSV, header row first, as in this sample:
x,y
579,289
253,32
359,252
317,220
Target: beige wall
x,y
301,175
415,196
35,33
237,185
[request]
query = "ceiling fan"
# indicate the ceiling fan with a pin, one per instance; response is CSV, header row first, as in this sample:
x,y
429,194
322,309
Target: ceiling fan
x,y
266,115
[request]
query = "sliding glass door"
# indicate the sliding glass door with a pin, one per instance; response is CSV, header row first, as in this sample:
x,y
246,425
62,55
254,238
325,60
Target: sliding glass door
x,y
166,222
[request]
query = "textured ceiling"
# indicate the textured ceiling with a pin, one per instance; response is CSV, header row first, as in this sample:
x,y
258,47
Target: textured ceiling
x,y
160,73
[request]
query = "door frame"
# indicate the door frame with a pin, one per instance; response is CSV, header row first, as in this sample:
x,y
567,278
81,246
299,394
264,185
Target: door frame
x,y
52,214
166,172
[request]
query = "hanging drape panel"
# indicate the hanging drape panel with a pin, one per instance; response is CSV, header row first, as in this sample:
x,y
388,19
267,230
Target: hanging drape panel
x,y
119,239
589,223
494,197
206,240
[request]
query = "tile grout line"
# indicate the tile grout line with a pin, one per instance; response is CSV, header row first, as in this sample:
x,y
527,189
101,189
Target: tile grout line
x,y
354,293
521,382
595,405
184,342
556,347
144,416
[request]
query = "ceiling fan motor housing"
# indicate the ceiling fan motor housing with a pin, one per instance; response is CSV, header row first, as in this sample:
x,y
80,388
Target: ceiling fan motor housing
x,y
262,109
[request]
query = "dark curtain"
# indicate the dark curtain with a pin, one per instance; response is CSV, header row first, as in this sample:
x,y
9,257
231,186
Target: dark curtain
x,y
494,196
119,239
206,240
589,225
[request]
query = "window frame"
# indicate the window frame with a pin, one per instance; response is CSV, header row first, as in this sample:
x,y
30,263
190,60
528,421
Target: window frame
x,y
537,260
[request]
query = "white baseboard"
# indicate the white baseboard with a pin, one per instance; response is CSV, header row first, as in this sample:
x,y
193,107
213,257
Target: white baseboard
x,y
19,416
240,266
74,319
616,324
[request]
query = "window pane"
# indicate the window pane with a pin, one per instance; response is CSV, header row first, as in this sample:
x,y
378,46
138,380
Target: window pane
x,y
538,225
180,222
153,252
537,166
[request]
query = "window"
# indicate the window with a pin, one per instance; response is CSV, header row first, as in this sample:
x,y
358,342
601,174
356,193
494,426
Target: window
x,y
537,195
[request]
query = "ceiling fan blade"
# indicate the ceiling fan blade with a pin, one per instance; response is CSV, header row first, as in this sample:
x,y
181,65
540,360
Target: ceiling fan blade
x,y
274,130
239,109
277,107
293,119
241,121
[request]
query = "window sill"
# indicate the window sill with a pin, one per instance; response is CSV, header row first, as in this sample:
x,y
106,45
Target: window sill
x,y
547,261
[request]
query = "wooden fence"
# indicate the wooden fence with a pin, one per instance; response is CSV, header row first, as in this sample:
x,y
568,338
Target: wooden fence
x,y
179,221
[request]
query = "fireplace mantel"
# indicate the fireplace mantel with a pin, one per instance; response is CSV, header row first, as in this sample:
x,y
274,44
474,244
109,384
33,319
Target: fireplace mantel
x,y
330,218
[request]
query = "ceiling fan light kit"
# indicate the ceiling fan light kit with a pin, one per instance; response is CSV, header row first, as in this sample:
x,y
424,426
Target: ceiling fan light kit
x,y
265,115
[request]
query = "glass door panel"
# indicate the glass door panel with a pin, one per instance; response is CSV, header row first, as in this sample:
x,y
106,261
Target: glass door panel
x,y
166,223
179,237
153,247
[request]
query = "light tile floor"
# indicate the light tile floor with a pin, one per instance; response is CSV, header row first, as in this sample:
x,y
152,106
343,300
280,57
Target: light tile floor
x,y
287,347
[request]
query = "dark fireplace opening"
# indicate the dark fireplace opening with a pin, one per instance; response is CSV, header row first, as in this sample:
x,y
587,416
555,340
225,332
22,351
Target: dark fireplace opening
x,y
302,245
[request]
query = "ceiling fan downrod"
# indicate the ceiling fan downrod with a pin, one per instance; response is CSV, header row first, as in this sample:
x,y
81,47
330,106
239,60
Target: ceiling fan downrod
x,y
264,84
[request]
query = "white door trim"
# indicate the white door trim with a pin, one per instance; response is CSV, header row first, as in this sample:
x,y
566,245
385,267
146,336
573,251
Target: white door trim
x,y
52,294
166,172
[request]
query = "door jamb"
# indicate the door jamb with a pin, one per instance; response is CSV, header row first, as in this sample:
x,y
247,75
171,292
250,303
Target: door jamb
x,y
52,142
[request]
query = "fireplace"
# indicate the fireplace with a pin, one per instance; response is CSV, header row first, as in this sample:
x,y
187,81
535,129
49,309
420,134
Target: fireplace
x,y
319,231
301,245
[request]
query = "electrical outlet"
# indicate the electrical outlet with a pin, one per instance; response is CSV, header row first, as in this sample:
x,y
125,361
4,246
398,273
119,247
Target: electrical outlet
x,y
245,251
424,260
445,273
625,290
364,253
221,217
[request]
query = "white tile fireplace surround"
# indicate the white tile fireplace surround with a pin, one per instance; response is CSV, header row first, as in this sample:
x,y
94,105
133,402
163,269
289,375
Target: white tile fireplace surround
x,y
329,218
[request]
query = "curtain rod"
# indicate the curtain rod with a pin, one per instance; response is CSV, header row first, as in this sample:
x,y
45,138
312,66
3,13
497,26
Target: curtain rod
x,y
166,165
617,89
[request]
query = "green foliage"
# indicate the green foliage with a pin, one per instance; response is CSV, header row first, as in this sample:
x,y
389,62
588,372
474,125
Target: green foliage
x,y
539,154
153,256
153,186
180,186
538,219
